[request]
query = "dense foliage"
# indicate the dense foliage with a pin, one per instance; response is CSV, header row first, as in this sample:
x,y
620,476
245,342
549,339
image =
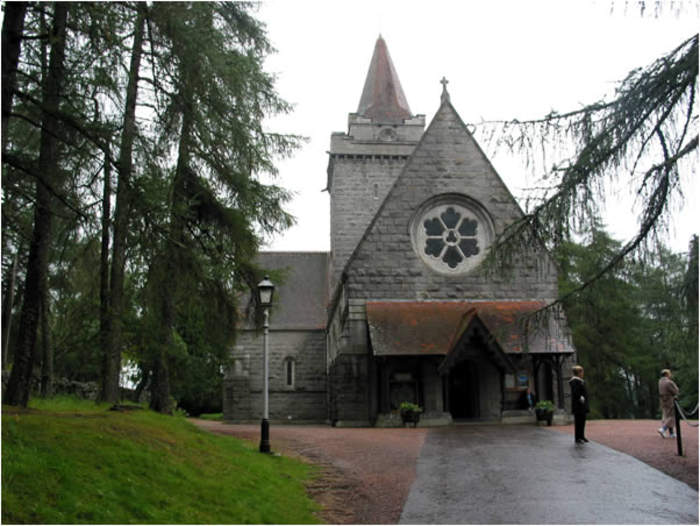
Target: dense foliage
x,y
132,198
630,323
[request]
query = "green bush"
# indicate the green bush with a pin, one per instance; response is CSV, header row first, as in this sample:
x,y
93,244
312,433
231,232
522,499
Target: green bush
x,y
407,407
545,405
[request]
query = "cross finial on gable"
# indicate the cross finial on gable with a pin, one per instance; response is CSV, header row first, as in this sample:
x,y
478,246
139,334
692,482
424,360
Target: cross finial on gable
x,y
445,97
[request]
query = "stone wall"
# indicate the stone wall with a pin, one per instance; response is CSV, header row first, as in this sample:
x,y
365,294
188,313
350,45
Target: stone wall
x,y
360,184
64,386
348,383
350,370
304,401
447,161
362,167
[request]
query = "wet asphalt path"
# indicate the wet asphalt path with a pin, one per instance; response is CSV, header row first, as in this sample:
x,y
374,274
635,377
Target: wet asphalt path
x,y
527,475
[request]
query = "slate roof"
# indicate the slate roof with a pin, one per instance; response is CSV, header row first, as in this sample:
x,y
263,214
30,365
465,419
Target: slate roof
x,y
434,327
383,99
469,326
301,296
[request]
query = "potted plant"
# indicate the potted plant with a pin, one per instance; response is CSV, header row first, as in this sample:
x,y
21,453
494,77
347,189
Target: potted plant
x,y
544,410
410,413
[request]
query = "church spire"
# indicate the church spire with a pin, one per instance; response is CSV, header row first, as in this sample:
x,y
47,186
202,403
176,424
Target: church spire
x,y
382,98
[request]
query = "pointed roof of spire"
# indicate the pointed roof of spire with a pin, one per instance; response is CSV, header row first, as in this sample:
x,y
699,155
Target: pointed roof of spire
x,y
382,97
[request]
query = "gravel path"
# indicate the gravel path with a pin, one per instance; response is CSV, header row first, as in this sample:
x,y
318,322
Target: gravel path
x,y
366,474
639,439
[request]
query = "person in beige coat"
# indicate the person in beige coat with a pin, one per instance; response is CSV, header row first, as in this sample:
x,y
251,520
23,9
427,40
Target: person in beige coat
x,y
668,390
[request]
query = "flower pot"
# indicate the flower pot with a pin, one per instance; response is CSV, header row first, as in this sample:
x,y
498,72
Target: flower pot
x,y
410,417
544,415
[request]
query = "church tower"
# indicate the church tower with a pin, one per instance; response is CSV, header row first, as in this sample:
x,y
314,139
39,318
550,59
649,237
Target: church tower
x,y
364,162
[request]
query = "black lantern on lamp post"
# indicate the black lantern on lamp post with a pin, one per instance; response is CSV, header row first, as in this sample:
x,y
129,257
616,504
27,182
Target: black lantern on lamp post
x,y
265,291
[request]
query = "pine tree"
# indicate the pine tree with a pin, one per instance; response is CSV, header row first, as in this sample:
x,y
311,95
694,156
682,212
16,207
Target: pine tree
x,y
19,384
115,308
221,96
12,30
645,136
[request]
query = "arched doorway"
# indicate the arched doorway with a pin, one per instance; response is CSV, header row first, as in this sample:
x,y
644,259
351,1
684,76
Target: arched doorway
x,y
464,390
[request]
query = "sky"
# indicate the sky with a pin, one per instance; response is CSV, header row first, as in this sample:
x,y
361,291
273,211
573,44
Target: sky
x,y
503,60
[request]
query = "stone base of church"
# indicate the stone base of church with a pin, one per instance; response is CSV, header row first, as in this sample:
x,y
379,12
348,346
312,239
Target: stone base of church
x,y
352,423
430,419
560,418
518,417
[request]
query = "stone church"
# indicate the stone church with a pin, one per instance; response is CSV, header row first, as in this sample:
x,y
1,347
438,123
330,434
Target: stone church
x,y
400,309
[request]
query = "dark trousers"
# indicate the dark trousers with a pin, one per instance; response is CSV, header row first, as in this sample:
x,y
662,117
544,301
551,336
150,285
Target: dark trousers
x,y
579,425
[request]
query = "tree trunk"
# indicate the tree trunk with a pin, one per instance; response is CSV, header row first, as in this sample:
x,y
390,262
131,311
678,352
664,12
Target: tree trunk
x,y
145,376
112,359
19,384
160,385
8,303
104,265
12,29
46,350
174,245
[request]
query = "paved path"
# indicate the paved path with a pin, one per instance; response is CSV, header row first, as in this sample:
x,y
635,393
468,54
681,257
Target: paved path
x,y
528,475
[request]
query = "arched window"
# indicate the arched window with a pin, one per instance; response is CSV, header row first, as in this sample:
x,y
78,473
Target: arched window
x,y
289,372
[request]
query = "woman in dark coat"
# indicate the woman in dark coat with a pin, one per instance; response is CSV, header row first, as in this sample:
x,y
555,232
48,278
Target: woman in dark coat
x,y
579,403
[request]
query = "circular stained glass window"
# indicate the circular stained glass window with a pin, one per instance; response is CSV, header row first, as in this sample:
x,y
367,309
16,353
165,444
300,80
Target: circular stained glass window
x,y
451,234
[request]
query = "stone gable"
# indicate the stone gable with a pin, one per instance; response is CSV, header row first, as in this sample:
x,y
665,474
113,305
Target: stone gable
x,y
446,162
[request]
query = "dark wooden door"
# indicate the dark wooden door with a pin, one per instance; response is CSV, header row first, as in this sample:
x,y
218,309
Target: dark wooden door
x,y
464,390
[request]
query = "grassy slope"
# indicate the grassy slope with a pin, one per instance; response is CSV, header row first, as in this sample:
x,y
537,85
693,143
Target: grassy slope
x,y
71,462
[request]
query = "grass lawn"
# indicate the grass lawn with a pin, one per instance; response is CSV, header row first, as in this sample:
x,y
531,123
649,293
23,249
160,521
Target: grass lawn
x,y
211,416
68,461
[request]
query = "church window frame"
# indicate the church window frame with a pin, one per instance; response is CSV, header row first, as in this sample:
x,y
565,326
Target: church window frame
x,y
289,373
451,233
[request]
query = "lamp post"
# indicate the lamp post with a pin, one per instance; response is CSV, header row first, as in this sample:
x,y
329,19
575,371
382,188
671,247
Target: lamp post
x,y
265,291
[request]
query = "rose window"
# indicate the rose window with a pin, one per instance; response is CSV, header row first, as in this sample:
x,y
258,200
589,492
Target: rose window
x,y
451,234
451,237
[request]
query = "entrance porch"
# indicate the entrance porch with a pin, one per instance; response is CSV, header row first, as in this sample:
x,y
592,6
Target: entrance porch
x,y
445,358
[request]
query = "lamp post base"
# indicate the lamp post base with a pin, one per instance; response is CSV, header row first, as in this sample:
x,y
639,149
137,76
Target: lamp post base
x,y
265,436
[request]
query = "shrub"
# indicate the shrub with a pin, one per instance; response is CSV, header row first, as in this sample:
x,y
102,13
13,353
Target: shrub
x,y
545,405
406,407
